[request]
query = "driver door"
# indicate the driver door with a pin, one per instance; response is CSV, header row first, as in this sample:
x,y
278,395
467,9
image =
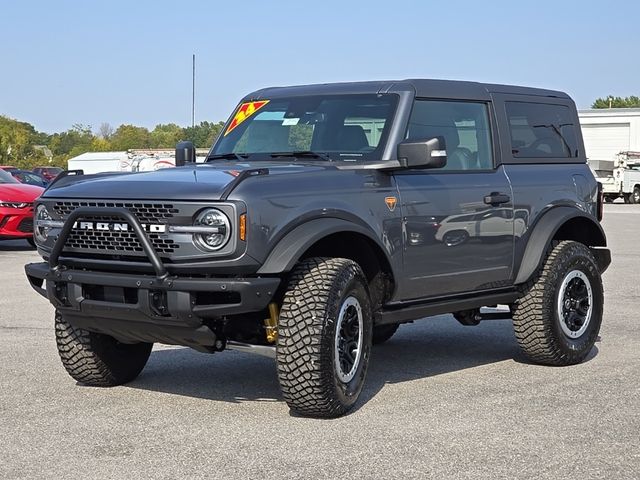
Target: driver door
x,y
456,238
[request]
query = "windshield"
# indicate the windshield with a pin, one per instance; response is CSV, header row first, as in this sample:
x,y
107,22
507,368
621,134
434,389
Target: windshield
x,y
6,177
340,127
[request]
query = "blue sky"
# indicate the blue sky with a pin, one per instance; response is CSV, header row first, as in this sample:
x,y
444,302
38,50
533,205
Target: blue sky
x,y
65,62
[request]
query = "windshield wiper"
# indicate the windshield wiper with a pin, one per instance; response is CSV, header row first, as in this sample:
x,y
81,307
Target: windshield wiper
x,y
227,156
303,154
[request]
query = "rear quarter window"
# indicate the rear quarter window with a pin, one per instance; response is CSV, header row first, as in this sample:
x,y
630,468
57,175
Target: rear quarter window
x,y
540,130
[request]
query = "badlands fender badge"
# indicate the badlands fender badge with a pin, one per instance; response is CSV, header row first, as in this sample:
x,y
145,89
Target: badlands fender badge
x,y
391,203
244,111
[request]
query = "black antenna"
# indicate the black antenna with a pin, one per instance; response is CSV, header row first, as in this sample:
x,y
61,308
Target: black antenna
x,y
193,93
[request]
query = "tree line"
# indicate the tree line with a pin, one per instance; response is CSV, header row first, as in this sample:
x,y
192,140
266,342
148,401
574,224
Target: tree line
x,y
21,145
617,102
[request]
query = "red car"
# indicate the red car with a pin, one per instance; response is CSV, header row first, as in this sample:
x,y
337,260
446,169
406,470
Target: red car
x,y
16,208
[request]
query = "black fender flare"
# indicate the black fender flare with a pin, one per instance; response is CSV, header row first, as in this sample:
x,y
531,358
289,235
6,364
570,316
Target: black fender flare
x,y
542,233
289,248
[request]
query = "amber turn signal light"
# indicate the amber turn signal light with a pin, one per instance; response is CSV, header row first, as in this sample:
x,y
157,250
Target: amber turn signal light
x,y
243,227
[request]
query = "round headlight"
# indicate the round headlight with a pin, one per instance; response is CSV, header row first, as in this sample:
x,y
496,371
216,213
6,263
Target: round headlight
x,y
216,229
40,233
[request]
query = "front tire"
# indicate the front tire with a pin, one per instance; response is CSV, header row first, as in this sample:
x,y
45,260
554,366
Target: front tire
x,y
324,337
558,317
635,196
96,359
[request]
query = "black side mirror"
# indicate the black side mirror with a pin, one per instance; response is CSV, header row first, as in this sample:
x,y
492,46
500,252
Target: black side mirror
x,y
422,153
185,153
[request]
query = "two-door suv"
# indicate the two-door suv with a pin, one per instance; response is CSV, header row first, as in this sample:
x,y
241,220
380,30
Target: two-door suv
x,y
324,217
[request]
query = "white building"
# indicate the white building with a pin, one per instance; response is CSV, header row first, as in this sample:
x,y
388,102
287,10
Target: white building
x,y
609,131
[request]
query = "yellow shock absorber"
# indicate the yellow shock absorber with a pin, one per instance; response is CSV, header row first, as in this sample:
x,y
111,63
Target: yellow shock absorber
x,y
271,323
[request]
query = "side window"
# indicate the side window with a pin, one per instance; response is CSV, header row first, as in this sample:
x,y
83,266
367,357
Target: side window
x,y
540,130
464,127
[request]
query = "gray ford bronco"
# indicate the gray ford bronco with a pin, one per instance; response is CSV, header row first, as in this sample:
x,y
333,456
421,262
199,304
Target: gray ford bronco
x,y
323,217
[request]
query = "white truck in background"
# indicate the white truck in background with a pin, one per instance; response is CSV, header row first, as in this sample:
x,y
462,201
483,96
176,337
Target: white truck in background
x,y
155,159
623,180
135,160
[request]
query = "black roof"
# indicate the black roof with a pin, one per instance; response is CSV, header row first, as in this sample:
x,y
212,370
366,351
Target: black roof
x,y
421,87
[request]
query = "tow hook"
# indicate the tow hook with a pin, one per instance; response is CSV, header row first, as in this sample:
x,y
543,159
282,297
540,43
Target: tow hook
x,y
271,323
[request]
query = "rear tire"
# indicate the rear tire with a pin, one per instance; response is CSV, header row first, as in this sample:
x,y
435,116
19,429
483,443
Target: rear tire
x,y
635,196
32,242
558,317
96,359
324,337
382,333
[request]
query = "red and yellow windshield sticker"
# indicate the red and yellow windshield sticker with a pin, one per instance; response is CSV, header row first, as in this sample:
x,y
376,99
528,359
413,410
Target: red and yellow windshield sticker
x,y
245,111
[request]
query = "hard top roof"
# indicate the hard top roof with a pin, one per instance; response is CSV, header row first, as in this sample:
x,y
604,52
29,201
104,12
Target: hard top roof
x,y
421,87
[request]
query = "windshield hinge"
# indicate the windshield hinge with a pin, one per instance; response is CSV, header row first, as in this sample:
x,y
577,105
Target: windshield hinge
x,y
244,174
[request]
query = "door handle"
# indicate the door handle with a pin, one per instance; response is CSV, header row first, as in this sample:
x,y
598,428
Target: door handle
x,y
495,198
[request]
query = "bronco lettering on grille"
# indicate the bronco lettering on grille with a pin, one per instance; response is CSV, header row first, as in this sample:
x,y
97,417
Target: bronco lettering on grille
x,y
117,227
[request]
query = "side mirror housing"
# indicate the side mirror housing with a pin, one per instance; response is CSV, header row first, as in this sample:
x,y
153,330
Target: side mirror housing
x,y
185,153
429,153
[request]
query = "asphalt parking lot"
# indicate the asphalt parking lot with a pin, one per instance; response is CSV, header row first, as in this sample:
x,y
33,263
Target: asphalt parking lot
x,y
441,401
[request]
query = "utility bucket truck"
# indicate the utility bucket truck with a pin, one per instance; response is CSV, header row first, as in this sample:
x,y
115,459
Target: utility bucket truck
x,y
624,180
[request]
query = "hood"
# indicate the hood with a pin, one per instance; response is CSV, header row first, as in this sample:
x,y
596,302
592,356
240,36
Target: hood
x,y
19,192
200,182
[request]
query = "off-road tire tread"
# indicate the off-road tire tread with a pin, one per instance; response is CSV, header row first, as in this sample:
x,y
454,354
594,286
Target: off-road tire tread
x,y
533,328
79,351
306,386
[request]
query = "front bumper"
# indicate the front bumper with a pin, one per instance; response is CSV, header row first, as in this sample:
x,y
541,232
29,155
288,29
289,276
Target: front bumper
x,y
147,308
16,223
140,307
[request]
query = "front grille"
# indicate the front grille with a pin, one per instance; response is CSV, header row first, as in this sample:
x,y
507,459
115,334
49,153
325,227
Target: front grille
x,y
112,242
116,242
26,225
153,213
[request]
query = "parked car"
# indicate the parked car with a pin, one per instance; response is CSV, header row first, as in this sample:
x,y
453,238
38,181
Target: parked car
x,y
48,173
8,168
16,208
30,178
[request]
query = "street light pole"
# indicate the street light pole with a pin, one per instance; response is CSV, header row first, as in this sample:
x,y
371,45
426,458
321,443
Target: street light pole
x,y
193,93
